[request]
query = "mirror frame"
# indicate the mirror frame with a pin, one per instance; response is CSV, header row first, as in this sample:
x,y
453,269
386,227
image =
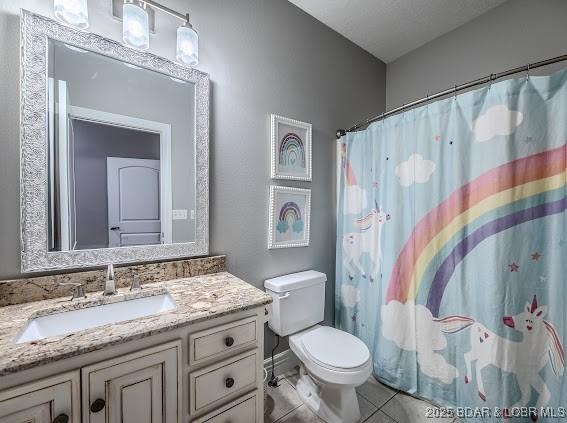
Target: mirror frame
x,y
35,31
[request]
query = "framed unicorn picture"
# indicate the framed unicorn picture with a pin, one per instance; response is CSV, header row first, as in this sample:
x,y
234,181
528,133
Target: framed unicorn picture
x,y
291,149
289,216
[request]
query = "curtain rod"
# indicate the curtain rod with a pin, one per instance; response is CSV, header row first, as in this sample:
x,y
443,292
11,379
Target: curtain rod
x,y
492,77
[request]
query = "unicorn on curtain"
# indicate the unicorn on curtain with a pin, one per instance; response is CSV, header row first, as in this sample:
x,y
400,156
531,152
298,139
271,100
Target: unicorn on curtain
x,y
367,240
525,359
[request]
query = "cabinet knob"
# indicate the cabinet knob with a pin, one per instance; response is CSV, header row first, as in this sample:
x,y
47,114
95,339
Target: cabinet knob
x,y
97,405
61,418
229,341
229,382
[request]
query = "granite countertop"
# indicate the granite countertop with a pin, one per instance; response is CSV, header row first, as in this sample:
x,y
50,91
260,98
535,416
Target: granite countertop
x,y
198,298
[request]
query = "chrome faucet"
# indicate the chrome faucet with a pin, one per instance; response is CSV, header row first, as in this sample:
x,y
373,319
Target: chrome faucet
x,y
109,286
78,289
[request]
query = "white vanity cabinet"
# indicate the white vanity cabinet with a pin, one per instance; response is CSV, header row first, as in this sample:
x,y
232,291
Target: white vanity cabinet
x,y
136,388
211,371
52,400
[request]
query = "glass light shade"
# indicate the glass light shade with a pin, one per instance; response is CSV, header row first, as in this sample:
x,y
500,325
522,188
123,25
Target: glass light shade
x,y
187,45
72,12
135,26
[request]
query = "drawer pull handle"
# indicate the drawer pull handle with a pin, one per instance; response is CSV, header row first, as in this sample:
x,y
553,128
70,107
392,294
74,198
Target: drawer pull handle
x,y
97,405
61,418
229,341
229,382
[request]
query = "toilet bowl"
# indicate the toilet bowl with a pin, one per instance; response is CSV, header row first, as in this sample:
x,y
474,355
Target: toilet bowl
x,y
333,364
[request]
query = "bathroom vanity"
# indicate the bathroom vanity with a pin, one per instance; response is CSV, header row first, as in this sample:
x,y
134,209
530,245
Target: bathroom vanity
x,y
200,361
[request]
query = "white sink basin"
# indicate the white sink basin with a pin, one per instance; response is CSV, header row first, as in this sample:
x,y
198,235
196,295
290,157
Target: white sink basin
x,y
97,315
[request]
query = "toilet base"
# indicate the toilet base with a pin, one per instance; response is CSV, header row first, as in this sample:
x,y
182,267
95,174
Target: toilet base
x,y
331,402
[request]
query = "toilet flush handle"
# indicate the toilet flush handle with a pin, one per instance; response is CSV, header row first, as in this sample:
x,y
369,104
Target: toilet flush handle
x,y
284,296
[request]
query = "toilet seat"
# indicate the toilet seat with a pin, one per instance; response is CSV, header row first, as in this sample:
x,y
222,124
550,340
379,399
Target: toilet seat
x,y
335,349
325,365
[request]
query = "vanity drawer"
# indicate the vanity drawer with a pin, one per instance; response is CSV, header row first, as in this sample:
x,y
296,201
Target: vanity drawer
x,y
221,339
223,381
243,410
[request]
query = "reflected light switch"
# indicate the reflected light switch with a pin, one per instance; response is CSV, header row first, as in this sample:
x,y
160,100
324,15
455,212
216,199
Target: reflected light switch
x,y
180,214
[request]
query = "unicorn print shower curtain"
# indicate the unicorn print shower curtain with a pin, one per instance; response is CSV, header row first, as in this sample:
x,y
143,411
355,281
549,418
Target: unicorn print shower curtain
x,y
452,249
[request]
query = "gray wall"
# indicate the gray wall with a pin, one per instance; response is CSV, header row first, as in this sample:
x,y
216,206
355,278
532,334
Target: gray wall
x,y
263,56
510,35
92,144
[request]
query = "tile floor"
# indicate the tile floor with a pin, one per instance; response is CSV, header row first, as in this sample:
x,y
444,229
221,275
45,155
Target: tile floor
x,y
378,404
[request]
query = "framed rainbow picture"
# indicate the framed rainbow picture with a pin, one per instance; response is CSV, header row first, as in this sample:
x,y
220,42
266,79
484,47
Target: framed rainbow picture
x,y
289,216
291,149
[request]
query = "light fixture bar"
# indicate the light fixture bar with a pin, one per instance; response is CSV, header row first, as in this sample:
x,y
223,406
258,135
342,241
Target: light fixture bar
x,y
165,9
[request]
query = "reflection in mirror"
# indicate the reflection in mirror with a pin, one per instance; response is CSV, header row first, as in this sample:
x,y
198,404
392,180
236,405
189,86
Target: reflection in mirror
x,y
121,153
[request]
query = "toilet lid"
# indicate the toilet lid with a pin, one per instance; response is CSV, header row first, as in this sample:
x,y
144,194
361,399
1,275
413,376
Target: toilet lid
x,y
335,348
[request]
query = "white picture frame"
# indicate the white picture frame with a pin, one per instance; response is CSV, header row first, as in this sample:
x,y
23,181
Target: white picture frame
x,y
291,152
289,217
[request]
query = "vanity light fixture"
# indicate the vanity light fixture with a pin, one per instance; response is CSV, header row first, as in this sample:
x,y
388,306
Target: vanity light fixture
x,y
187,51
72,12
135,25
187,44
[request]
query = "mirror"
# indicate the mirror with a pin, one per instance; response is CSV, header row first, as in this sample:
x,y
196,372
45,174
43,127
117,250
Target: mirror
x,y
121,153
126,152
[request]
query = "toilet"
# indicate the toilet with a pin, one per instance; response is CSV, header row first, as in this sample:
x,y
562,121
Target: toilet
x,y
333,362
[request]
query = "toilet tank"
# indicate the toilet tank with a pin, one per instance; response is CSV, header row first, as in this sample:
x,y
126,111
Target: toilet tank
x,y
299,301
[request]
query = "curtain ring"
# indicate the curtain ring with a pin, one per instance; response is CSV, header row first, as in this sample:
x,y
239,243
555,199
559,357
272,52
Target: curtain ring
x,y
455,92
528,72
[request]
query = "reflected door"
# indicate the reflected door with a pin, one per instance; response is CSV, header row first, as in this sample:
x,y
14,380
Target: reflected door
x,y
133,202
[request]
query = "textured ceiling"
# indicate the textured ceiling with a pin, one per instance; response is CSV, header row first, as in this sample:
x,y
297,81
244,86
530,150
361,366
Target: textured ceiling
x,y
391,28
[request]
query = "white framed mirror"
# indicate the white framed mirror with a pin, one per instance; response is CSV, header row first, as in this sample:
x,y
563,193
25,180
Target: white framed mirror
x,y
114,151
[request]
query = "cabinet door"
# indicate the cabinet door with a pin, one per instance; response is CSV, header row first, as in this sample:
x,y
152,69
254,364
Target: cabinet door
x,y
54,399
144,387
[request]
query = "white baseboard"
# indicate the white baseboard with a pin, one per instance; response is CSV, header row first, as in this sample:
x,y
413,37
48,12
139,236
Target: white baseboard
x,y
283,362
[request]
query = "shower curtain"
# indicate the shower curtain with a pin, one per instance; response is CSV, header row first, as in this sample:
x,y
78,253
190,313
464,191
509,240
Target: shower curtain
x,y
452,249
